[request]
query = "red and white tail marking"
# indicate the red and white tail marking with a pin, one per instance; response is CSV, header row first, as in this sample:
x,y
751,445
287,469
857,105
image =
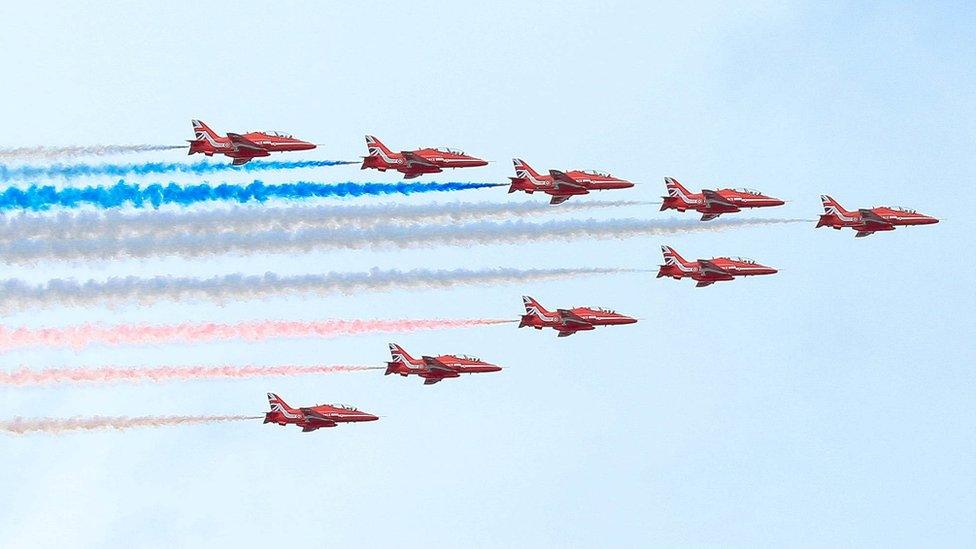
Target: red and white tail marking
x,y
524,171
281,407
202,132
673,259
534,308
400,356
677,190
377,148
832,207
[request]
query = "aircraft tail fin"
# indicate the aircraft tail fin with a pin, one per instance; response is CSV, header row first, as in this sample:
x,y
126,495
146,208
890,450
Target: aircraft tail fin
x,y
832,211
676,189
278,407
831,206
202,131
672,257
524,171
400,356
376,147
533,308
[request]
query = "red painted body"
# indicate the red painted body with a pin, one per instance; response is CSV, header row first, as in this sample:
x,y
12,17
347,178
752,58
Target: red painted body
x,y
709,271
435,368
243,148
869,221
569,321
417,162
313,417
562,185
712,204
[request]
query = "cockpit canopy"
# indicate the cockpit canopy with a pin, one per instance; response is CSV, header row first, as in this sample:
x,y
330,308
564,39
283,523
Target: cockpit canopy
x,y
469,357
743,260
744,190
900,209
448,150
597,172
345,407
278,134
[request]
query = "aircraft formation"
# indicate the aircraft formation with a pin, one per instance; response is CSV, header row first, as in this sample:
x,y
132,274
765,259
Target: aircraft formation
x,y
559,186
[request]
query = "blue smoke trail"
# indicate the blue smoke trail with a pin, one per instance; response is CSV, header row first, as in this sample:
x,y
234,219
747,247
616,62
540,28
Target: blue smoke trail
x,y
39,198
69,171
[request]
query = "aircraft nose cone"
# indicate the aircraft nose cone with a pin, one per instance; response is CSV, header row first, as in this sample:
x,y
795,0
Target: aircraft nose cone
x,y
929,220
370,417
305,146
769,270
625,184
776,202
478,162
493,368
627,320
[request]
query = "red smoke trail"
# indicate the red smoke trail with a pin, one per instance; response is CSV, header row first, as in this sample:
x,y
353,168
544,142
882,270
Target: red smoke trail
x,y
79,337
52,425
113,374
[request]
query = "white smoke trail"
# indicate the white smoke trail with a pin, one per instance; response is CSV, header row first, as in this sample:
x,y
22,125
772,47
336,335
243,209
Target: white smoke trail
x,y
18,295
56,426
52,153
245,219
283,241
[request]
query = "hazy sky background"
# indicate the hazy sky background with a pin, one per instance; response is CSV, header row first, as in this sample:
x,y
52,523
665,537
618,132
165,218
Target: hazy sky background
x,y
829,405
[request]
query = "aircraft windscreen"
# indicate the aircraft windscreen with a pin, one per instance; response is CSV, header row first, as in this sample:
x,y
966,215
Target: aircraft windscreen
x,y
449,150
747,191
278,134
597,172
743,260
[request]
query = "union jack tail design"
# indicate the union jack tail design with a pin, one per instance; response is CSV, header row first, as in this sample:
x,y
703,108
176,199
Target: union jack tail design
x,y
832,207
672,258
202,132
377,148
677,190
833,212
534,308
524,171
278,405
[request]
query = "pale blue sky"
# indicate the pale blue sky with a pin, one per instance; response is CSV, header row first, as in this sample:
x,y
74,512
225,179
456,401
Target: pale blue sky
x,y
830,405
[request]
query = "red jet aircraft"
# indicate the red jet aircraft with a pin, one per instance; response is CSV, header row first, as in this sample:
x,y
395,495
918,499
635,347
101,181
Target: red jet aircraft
x,y
415,163
562,185
569,321
435,368
868,221
709,271
243,148
314,417
712,204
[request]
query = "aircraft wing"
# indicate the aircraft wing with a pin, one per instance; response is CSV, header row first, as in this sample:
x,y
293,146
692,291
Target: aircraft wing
x,y
314,420
559,199
432,380
561,178
571,319
871,219
244,144
709,217
709,268
417,159
712,198
436,365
